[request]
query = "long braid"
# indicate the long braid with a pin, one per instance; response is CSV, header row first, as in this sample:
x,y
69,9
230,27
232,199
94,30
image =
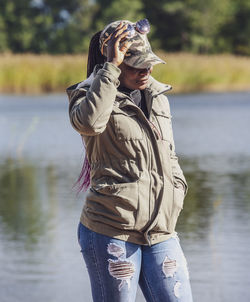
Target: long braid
x,y
94,57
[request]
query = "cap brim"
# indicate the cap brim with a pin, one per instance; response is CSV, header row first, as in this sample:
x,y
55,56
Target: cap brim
x,y
141,61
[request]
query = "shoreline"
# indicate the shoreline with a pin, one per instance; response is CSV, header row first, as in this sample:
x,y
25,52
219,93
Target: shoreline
x,y
186,73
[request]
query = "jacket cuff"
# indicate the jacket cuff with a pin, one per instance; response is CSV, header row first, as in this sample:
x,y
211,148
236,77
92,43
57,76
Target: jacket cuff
x,y
110,71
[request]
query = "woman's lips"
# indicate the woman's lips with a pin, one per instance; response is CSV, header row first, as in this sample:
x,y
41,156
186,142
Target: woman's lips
x,y
142,81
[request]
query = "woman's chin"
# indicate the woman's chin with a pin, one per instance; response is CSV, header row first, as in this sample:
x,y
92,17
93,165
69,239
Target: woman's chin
x,y
142,84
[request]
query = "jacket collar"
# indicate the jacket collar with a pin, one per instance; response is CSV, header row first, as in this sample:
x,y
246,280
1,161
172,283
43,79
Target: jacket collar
x,y
155,87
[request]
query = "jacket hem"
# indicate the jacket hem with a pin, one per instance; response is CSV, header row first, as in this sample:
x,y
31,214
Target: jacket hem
x,y
124,235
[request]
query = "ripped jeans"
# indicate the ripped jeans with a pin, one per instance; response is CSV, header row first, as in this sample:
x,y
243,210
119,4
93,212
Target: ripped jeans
x,y
116,267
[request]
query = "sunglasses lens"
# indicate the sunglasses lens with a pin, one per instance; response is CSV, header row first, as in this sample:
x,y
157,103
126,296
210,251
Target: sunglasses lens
x,y
143,26
131,31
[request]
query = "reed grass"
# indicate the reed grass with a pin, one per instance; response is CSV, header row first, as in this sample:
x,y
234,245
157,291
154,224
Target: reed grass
x,y
195,73
35,74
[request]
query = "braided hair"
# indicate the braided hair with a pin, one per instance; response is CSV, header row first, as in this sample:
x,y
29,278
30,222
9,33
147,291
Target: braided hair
x,y
94,57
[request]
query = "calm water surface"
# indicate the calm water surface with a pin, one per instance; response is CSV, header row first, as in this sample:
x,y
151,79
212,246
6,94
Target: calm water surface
x,y
40,157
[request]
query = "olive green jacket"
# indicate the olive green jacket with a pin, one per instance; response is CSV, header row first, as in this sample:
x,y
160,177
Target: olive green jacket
x,y
134,194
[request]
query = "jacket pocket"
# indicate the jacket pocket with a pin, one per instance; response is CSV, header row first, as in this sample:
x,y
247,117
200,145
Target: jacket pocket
x,y
126,125
114,172
178,201
117,204
163,119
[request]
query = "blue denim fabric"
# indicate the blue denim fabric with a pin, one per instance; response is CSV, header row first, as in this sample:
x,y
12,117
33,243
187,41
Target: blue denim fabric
x,y
116,267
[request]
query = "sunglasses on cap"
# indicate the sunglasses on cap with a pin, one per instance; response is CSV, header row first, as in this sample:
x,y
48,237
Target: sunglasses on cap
x,y
142,26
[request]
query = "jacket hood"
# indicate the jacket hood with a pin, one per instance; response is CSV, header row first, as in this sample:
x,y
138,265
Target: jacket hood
x,y
87,82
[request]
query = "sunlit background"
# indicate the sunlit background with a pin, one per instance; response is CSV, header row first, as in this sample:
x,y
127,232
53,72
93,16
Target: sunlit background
x,y
41,155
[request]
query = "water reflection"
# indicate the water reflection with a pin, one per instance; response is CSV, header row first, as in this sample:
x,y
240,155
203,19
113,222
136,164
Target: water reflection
x,y
225,187
194,218
27,199
38,219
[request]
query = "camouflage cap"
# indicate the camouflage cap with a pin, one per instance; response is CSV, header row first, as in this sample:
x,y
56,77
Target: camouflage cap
x,y
139,54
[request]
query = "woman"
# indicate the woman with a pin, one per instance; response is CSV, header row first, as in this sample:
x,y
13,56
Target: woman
x,y
127,227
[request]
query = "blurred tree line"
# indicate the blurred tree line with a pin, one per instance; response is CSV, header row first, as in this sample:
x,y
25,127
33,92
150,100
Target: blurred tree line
x,y
60,26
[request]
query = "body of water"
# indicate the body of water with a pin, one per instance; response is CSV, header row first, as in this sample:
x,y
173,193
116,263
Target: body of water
x,y
41,157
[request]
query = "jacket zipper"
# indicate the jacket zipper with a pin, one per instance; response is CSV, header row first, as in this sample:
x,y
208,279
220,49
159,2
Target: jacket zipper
x,y
150,182
146,235
149,171
152,126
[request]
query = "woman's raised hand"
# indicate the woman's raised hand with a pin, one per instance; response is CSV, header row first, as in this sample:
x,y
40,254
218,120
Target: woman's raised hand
x,y
115,50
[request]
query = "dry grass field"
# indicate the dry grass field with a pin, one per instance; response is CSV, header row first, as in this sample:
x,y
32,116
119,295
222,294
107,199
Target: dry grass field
x,y
35,74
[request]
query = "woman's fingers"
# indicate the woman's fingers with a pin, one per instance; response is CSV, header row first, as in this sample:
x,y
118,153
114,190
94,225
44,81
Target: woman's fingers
x,y
123,35
125,46
115,35
120,38
120,28
122,43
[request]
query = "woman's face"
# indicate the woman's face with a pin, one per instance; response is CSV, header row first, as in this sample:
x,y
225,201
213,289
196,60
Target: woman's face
x,y
134,78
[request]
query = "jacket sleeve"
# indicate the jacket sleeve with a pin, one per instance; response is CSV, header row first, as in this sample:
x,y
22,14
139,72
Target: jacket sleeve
x,y
179,178
89,112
